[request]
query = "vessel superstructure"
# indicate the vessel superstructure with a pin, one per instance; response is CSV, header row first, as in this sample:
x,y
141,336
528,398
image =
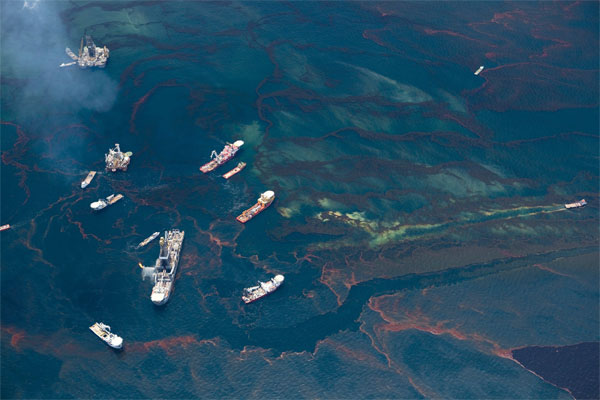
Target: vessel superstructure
x,y
102,203
263,202
577,204
164,270
148,240
225,155
89,55
88,179
103,332
116,159
264,288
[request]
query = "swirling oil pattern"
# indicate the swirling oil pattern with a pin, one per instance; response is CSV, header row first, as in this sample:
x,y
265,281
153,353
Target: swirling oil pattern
x,y
419,218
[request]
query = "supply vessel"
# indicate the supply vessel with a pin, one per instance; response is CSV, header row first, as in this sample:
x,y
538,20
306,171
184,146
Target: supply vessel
x,y
88,179
234,171
116,159
225,155
102,203
103,332
90,55
4,227
577,204
264,288
165,268
263,202
148,240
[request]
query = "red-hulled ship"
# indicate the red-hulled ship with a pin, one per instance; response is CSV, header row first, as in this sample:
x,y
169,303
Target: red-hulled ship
x,y
225,155
263,202
234,171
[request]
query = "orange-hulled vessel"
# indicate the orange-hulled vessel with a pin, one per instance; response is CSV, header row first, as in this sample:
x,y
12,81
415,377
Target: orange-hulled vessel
x,y
234,171
225,155
263,202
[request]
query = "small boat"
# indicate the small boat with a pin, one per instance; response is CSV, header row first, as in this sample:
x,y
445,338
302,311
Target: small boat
x,y
148,240
4,227
478,70
88,179
577,204
103,332
225,155
101,203
264,288
234,171
263,202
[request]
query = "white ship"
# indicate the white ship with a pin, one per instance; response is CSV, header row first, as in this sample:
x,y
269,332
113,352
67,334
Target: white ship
x,y
103,332
225,155
102,203
577,204
478,70
264,288
88,179
164,270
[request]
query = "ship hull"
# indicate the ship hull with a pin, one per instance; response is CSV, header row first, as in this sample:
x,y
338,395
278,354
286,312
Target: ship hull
x,y
88,179
209,166
147,240
234,171
244,217
264,289
577,204
258,298
226,154
165,280
111,340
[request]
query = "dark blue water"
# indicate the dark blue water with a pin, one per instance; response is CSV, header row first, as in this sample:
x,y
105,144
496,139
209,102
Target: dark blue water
x,y
574,367
419,218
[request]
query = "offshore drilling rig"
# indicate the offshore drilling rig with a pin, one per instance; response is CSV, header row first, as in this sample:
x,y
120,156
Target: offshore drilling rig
x,y
89,55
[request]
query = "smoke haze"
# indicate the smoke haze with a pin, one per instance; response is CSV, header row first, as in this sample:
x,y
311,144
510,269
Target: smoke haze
x,y
32,47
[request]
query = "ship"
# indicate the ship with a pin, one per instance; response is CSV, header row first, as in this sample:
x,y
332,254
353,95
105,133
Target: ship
x,y
4,227
577,204
88,179
263,202
89,55
234,171
102,203
225,155
165,268
103,332
148,240
478,70
116,159
264,288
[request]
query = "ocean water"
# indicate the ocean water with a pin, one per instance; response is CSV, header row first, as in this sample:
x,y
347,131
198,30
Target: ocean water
x,y
419,218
